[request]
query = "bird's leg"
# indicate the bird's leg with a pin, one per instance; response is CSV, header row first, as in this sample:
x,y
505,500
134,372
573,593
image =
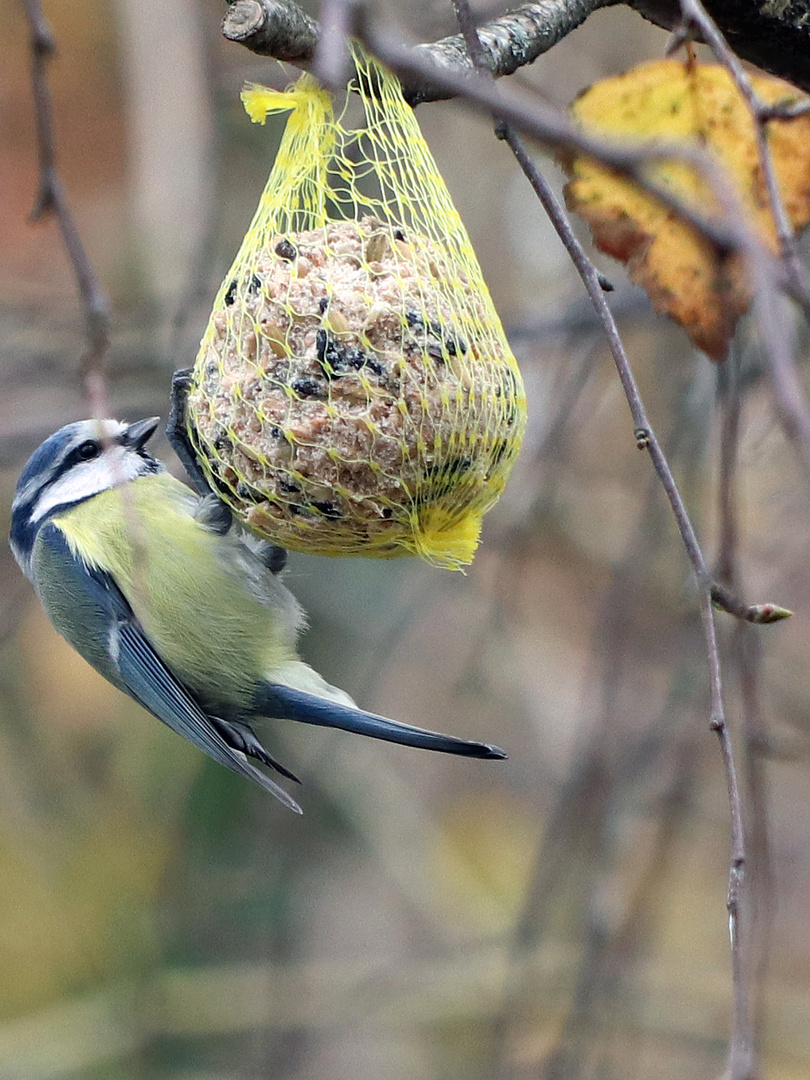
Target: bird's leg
x,y
243,738
212,511
177,433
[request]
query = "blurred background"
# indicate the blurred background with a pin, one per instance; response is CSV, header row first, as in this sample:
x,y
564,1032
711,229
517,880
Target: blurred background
x,y
558,915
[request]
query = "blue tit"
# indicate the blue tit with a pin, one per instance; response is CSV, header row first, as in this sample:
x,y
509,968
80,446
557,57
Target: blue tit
x,y
172,603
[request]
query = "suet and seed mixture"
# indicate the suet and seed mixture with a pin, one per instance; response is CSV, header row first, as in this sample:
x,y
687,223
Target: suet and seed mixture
x,y
354,392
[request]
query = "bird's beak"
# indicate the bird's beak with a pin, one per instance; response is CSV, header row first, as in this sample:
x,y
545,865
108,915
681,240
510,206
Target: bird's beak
x,y
139,433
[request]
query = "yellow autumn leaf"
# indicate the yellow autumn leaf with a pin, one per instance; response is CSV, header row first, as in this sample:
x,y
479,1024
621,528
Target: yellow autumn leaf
x,y
686,276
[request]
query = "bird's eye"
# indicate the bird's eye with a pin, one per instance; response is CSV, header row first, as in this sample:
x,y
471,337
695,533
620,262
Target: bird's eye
x,y
87,450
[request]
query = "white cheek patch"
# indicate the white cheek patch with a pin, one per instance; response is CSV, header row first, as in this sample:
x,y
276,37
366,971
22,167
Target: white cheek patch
x,y
88,478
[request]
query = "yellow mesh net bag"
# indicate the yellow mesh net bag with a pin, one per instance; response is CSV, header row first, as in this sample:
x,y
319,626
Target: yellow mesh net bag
x,y
354,393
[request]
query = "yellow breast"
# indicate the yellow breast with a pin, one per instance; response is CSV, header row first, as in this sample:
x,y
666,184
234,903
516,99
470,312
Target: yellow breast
x,y
184,585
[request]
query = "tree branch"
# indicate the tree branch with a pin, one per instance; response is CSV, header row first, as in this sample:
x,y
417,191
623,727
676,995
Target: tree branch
x,y
279,28
775,36
742,1056
51,199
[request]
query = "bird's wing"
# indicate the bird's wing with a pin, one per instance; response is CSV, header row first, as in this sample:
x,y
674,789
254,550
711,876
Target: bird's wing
x,y
94,596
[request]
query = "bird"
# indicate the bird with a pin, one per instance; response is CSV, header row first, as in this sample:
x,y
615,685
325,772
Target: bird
x,y
175,603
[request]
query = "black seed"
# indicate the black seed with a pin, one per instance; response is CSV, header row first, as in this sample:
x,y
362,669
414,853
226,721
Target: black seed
x,y
337,359
308,388
286,250
328,509
254,286
359,359
323,304
321,345
289,487
452,346
399,234
387,512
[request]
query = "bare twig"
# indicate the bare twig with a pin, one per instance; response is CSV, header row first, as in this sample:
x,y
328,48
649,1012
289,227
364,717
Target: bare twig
x,y
756,914
790,398
773,36
51,199
741,1045
761,908
330,61
644,434
742,1056
754,900
695,14
791,401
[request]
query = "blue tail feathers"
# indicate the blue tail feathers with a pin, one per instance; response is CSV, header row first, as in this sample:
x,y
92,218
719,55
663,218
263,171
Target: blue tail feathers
x,y
284,703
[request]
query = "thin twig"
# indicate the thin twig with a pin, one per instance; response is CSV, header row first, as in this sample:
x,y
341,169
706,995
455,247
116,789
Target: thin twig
x,y
761,906
742,1056
741,1044
51,199
790,397
695,14
729,403
752,921
331,58
756,914
646,438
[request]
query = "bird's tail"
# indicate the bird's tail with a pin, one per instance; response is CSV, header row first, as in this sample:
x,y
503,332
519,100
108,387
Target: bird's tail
x,y
326,706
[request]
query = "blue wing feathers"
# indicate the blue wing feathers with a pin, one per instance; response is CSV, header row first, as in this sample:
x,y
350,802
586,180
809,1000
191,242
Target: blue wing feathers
x,y
103,618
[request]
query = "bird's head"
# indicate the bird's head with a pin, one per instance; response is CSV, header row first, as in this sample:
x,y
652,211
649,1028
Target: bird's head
x,y
77,462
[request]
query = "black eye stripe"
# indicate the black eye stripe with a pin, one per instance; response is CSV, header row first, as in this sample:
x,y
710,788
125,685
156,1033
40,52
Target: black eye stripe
x,y
72,457
69,461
